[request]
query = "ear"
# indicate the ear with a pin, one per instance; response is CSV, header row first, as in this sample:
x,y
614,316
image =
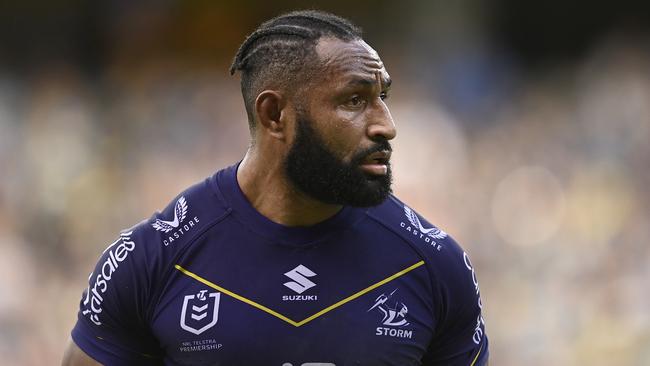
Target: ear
x,y
270,108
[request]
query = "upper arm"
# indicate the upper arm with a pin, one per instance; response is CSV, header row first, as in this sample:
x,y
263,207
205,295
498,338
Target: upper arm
x,y
112,323
74,356
460,335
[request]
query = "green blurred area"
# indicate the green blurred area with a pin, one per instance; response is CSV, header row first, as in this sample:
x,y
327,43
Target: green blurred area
x,y
523,132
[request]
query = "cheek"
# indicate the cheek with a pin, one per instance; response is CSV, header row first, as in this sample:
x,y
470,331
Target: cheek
x,y
342,131
345,142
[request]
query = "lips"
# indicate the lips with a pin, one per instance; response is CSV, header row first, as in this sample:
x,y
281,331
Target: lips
x,y
376,163
379,158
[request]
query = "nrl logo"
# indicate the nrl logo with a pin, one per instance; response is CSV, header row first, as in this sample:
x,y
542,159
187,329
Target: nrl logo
x,y
432,232
180,212
200,312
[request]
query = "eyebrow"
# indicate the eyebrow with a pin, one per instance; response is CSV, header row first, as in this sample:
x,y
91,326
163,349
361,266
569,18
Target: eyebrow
x,y
369,82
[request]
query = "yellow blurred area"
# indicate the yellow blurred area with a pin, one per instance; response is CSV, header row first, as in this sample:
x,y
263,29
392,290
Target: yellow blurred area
x,y
544,182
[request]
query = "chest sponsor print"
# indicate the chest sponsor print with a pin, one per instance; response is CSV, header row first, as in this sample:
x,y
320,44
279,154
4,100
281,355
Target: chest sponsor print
x,y
301,283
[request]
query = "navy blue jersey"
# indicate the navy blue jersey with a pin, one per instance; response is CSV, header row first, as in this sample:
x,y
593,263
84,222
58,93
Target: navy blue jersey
x,y
211,281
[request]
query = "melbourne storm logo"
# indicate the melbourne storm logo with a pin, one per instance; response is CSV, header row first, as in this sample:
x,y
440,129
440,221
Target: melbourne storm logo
x,y
394,316
429,235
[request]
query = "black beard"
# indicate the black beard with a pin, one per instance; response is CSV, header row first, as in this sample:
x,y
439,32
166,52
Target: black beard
x,y
313,169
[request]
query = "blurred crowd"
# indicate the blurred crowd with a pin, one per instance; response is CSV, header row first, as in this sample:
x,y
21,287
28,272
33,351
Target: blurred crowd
x,y
543,178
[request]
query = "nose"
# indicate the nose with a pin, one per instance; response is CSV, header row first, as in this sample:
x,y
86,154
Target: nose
x,y
381,125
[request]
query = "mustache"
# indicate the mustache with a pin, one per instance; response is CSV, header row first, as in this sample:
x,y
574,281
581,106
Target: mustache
x,y
382,145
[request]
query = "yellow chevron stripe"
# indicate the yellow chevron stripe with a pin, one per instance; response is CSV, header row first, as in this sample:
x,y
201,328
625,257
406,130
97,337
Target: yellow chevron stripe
x,y
478,354
238,297
310,318
361,293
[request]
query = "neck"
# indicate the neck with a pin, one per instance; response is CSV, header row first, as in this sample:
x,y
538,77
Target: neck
x,y
268,190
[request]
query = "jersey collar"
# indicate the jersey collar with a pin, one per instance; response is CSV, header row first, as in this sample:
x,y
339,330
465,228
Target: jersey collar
x,y
226,183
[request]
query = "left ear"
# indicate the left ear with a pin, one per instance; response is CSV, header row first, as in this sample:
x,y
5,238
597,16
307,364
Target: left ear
x,y
273,113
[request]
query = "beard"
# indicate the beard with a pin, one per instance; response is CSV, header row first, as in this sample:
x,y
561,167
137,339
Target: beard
x,y
316,171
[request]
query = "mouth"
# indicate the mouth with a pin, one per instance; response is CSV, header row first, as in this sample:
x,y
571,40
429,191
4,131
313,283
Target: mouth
x,y
376,163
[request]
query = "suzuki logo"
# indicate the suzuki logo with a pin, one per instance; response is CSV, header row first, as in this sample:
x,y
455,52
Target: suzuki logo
x,y
203,311
300,281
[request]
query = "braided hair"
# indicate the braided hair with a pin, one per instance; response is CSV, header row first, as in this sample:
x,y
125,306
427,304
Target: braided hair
x,y
281,52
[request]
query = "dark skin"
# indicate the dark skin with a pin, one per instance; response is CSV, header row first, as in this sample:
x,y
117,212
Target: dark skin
x,y
346,104
74,356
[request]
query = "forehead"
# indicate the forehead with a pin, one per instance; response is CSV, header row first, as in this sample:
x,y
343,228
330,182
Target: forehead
x,y
344,60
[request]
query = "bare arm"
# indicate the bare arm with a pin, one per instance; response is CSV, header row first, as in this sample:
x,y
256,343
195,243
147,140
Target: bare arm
x,y
74,356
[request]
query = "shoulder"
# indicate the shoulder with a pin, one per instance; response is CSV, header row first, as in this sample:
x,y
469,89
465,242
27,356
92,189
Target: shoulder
x,y
453,278
446,260
426,238
185,217
123,289
151,245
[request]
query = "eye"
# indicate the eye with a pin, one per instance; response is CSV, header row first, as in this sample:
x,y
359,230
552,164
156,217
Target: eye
x,y
384,95
355,101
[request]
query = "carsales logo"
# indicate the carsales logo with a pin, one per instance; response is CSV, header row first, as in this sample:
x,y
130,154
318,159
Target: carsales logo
x,y
118,251
480,322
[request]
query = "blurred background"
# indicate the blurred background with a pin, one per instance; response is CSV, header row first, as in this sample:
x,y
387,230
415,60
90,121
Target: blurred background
x,y
523,130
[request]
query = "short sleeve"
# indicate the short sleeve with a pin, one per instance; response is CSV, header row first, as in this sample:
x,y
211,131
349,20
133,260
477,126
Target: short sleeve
x,y
112,320
460,337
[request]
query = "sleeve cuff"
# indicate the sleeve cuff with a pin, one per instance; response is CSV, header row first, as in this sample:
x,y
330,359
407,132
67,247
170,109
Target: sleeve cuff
x,y
106,352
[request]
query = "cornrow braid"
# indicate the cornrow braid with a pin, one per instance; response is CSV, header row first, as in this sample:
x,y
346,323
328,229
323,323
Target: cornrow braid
x,y
279,52
277,31
330,21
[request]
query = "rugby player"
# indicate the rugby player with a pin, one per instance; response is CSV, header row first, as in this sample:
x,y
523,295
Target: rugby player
x,y
298,254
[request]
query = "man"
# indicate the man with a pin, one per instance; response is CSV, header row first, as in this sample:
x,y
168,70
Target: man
x,y
299,254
